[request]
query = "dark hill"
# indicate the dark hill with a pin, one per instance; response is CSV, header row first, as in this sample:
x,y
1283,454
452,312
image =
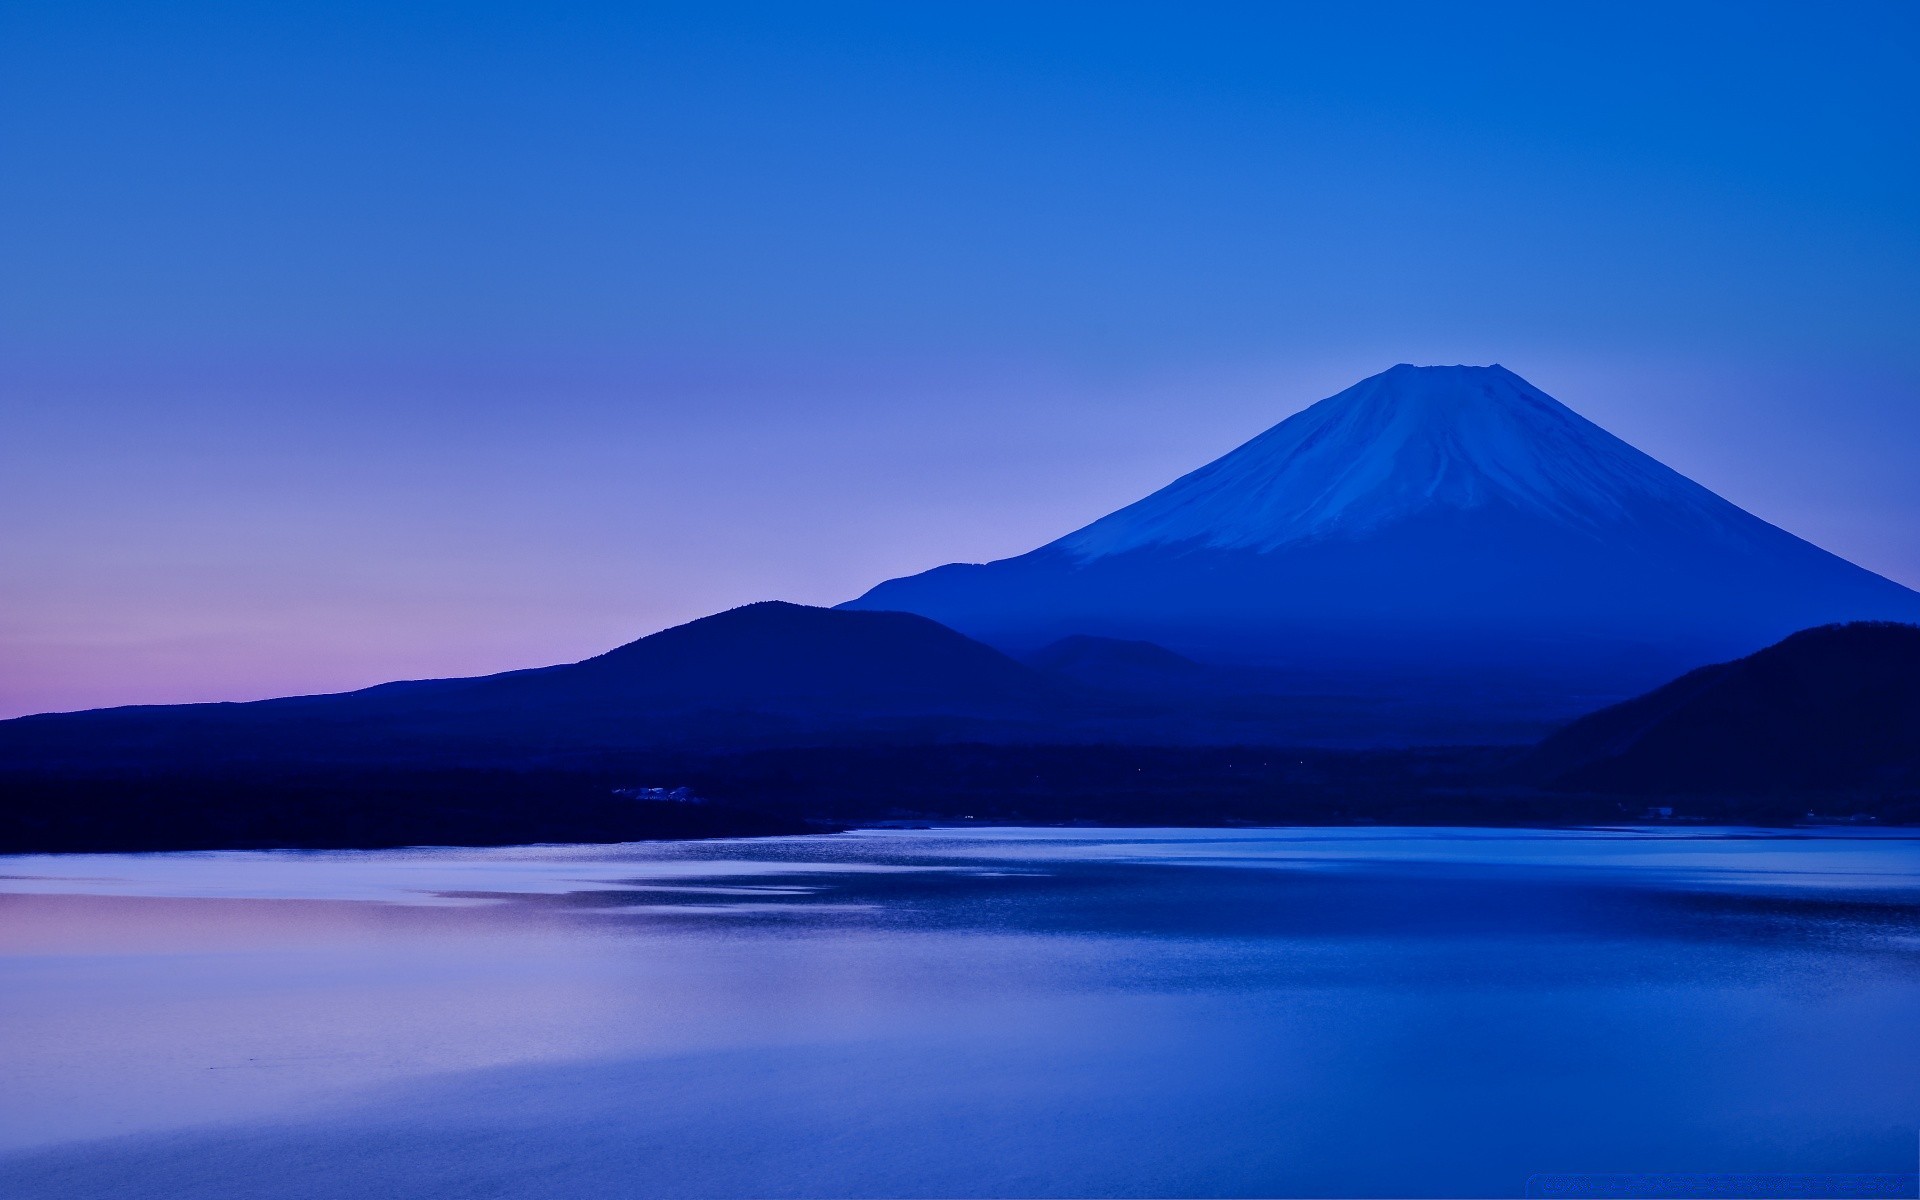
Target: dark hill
x,y
761,673
789,658
1832,709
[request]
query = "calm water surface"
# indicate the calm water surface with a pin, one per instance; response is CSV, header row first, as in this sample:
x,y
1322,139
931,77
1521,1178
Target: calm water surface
x,y
978,1012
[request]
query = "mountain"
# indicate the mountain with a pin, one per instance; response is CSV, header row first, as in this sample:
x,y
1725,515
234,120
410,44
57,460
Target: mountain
x,y
1829,709
1437,529
756,674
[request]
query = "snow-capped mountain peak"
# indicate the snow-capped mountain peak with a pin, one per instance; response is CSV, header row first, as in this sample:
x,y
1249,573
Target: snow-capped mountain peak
x,y
1453,521
1400,444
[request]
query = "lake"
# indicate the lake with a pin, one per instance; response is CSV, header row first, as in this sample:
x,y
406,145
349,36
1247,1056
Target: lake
x,y
966,1012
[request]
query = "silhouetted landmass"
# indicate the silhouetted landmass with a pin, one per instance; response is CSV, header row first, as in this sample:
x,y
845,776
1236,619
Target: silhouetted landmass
x,y
764,674
770,791
1138,785
1833,710
780,719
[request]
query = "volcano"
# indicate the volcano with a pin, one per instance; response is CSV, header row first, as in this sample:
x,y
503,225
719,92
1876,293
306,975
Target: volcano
x,y
1444,527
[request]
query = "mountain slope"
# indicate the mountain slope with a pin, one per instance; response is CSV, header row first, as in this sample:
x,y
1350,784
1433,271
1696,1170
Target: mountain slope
x,y
780,657
1429,524
765,671
1113,664
1830,709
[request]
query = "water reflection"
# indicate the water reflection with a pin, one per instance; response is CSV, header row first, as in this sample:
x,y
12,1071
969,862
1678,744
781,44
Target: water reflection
x,y
962,1012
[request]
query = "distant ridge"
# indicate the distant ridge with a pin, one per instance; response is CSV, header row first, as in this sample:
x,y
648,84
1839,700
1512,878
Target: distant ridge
x,y
1438,524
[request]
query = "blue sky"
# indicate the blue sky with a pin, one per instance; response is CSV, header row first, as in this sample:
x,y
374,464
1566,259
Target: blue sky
x,y
342,342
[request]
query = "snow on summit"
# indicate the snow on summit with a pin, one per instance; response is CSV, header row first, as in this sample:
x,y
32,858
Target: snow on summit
x,y
1399,444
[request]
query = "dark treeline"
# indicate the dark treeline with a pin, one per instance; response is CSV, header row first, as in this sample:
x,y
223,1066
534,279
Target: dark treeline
x,y
330,808
797,790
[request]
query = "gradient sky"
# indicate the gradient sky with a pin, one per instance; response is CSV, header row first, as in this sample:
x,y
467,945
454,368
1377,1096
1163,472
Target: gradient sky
x,y
342,342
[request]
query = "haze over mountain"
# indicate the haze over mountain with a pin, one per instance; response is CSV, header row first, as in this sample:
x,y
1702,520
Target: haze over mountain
x,y
1124,666
1447,523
